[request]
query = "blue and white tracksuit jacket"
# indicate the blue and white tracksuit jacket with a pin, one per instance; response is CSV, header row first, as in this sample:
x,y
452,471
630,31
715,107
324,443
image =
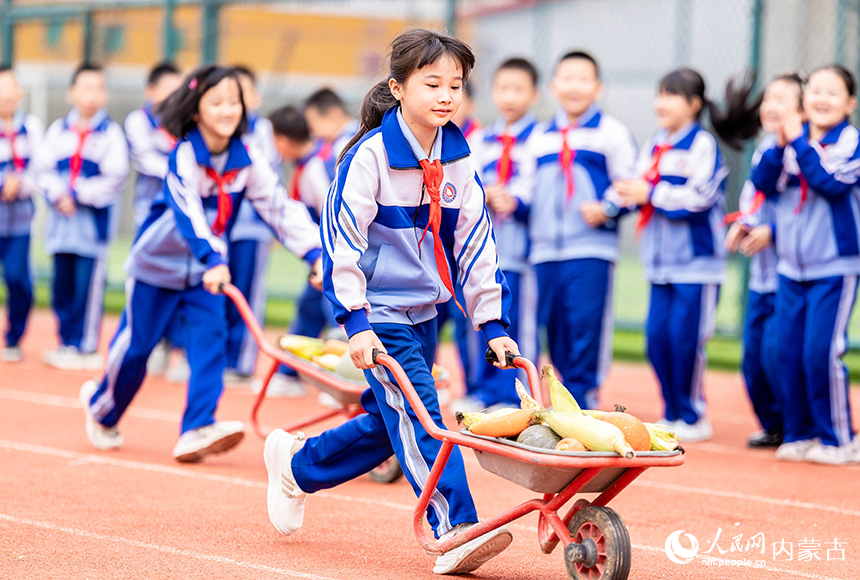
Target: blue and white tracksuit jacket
x,y
149,146
79,242
250,241
818,245
683,253
759,365
15,219
166,264
379,279
574,261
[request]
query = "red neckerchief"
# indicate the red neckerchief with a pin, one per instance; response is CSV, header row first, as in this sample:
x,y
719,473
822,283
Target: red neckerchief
x,y
17,162
652,176
566,158
77,160
505,165
225,202
294,182
432,182
756,204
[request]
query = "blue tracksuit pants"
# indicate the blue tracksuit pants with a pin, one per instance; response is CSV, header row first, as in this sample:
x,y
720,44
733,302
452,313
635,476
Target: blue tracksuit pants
x,y
759,365
681,321
575,307
812,325
15,260
77,299
147,314
391,426
247,262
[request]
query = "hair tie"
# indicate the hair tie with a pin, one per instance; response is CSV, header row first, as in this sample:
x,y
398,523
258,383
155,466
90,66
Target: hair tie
x,y
192,84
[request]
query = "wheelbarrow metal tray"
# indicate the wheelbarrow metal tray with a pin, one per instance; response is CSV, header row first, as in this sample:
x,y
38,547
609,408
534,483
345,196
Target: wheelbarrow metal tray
x,y
549,479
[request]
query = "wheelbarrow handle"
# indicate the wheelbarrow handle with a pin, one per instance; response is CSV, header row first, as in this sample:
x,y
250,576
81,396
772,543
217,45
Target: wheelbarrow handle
x,y
492,358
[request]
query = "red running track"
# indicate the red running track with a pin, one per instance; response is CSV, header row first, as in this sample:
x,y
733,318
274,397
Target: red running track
x,y
68,511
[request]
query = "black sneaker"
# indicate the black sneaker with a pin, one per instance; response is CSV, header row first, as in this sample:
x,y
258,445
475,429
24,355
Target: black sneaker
x,y
766,438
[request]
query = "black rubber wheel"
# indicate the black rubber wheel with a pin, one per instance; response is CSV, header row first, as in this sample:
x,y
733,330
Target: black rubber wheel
x,y
601,548
388,471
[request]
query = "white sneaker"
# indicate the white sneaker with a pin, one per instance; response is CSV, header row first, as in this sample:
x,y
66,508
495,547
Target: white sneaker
x,y
69,358
467,404
284,387
833,454
179,371
795,450
284,499
12,354
218,437
233,379
666,423
157,362
701,430
101,437
473,554
90,361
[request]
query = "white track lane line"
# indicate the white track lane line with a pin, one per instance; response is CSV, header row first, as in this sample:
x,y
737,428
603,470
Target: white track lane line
x,y
159,548
74,403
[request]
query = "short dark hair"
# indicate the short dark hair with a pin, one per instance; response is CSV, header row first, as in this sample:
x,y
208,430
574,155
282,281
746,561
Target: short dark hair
x,y
86,67
245,71
160,71
325,100
290,122
521,64
581,55
180,108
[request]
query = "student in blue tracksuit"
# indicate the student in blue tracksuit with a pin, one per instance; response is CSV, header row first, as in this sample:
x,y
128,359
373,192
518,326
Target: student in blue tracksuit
x,y
250,241
406,212
20,136
149,146
573,227
681,191
81,168
331,125
813,171
179,259
503,159
752,234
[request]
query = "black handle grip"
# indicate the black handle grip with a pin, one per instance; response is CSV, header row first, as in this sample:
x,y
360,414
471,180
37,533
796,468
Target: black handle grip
x,y
492,358
376,353
221,287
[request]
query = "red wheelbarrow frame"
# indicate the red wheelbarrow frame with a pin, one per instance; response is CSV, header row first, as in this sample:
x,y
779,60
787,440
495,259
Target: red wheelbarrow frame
x,y
552,528
279,357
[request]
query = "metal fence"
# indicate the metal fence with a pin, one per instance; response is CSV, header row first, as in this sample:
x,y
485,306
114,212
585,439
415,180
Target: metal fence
x,y
300,45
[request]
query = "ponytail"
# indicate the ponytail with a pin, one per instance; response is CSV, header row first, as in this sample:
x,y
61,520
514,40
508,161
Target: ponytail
x,y
410,51
375,104
740,121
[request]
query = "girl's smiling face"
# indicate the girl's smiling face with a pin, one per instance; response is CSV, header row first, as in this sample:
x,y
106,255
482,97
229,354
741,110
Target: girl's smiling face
x,y
220,111
780,97
676,111
432,94
826,100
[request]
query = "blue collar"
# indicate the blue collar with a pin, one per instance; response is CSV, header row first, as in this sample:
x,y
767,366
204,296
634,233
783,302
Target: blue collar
x,y
400,155
590,119
150,115
302,161
18,118
682,139
521,128
237,153
417,150
99,122
252,120
832,135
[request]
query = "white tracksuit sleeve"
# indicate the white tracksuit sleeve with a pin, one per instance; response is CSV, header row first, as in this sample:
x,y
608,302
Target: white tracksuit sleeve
x,y
703,187
29,179
143,150
48,179
105,189
289,219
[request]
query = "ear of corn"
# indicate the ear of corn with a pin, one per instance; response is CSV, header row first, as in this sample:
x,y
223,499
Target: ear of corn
x,y
595,435
662,439
526,400
561,398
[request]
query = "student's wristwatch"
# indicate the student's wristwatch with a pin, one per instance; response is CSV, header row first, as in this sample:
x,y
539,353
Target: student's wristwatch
x,y
609,209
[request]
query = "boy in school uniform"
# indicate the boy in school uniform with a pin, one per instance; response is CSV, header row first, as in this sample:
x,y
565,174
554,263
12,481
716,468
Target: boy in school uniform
x,y
573,232
20,135
250,242
81,168
149,145
329,120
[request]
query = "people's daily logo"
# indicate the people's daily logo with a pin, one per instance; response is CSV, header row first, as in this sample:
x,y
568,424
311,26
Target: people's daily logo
x,y
678,553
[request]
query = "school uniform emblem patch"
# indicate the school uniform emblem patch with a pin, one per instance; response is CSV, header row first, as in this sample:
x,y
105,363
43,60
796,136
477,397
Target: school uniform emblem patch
x,y
449,193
